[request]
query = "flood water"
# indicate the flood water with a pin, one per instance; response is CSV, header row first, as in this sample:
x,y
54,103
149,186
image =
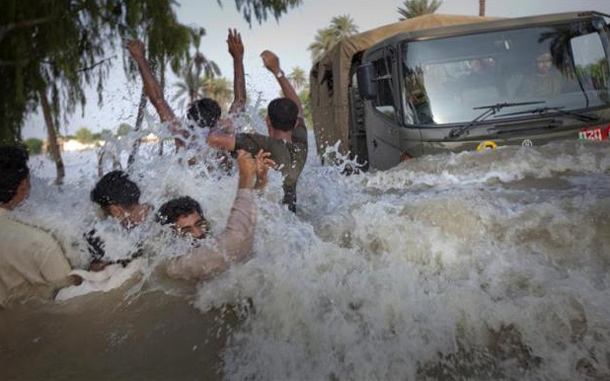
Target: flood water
x,y
478,265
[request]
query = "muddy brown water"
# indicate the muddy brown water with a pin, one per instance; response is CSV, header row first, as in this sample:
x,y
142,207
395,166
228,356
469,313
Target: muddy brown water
x,y
110,336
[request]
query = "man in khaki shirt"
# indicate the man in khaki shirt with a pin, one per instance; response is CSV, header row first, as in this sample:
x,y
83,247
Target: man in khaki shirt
x,y
234,244
32,262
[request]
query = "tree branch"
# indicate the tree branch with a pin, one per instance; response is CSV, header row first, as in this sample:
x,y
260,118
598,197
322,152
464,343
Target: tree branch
x,y
96,64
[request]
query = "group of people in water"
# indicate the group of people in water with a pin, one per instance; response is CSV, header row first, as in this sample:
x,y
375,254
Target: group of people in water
x,y
32,260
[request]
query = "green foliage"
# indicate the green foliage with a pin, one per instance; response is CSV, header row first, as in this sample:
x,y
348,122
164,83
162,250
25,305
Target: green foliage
x,y
83,135
219,89
297,78
325,39
415,8
58,47
190,74
124,129
261,8
34,146
306,102
262,112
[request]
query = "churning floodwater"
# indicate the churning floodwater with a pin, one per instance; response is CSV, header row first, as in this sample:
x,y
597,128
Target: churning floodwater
x,y
477,265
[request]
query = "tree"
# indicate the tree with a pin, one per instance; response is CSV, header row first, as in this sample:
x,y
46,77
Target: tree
x,y
325,39
306,102
83,135
34,146
415,8
343,26
51,50
260,8
219,89
124,129
190,83
297,78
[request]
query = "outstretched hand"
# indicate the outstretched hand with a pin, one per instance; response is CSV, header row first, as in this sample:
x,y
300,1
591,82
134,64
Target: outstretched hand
x,y
236,47
271,61
263,163
136,49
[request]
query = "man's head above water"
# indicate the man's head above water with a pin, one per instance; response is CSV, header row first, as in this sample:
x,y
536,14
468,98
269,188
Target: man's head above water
x,y
120,197
204,113
282,114
185,216
14,176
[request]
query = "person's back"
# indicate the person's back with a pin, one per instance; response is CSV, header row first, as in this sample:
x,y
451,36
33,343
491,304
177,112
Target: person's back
x,y
32,262
287,140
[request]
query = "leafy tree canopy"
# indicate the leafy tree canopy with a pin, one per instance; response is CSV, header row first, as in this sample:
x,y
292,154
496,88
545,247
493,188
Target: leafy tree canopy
x,y
124,129
34,146
83,135
415,8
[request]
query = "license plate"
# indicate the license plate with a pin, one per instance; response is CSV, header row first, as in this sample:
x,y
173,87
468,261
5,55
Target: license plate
x,y
594,133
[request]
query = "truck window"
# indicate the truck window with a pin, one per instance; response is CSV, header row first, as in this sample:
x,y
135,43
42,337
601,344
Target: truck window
x,y
447,79
385,99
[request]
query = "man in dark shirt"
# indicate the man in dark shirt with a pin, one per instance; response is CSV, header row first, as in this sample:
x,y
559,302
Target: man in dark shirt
x,y
287,140
118,197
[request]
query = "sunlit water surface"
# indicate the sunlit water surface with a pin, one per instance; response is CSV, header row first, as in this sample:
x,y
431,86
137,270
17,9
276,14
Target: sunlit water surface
x,y
478,265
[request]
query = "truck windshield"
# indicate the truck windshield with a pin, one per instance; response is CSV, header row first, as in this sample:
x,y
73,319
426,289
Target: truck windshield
x,y
566,66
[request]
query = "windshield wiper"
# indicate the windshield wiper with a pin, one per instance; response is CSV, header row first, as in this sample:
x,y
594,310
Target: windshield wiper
x,y
489,111
545,110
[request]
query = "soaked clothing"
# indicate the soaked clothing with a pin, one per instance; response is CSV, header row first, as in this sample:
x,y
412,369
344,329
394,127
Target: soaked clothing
x,y
291,157
97,250
32,262
233,245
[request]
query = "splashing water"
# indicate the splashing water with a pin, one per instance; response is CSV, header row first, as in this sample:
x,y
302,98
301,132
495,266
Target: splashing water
x,y
478,265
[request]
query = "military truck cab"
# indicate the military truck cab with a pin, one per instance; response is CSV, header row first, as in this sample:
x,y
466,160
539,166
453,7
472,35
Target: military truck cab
x,y
414,88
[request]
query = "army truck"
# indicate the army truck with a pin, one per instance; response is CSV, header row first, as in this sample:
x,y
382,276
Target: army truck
x,y
441,83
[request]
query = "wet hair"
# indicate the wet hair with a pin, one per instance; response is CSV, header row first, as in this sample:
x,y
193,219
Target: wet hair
x,y
179,207
115,188
13,170
204,112
283,114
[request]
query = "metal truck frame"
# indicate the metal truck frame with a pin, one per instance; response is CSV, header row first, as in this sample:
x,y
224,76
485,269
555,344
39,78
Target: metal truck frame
x,y
440,83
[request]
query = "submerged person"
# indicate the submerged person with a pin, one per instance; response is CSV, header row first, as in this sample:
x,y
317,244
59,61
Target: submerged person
x,y
287,140
233,245
119,198
32,261
184,214
205,112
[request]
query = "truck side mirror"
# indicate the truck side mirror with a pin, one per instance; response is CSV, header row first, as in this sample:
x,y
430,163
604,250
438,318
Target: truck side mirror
x,y
367,81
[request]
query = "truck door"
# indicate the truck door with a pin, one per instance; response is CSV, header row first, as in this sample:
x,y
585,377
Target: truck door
x,y
381,115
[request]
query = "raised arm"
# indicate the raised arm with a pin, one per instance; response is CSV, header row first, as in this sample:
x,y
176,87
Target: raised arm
x,y
236,48
272,63
235,243
153,90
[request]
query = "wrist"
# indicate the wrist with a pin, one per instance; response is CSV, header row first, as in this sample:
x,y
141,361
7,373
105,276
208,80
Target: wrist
x,y
245,181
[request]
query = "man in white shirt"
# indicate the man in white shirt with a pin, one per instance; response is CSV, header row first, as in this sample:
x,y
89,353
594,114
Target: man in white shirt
x,y
32,262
